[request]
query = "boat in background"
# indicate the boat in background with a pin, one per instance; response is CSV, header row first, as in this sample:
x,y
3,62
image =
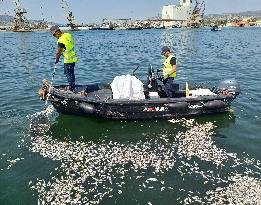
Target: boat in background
x,y
216,28
94,27
106,26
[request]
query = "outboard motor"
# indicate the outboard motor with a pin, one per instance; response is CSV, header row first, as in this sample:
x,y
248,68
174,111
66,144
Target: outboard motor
x,y
152,80
231,85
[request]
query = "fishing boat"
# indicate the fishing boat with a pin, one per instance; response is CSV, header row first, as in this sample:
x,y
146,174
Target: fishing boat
x,y
189,99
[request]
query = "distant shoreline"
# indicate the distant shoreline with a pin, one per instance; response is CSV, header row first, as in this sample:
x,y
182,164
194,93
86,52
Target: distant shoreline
x,y
87,30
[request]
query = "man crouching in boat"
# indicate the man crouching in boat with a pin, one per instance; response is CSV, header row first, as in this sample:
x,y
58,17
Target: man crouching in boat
x,y
169,70
65,46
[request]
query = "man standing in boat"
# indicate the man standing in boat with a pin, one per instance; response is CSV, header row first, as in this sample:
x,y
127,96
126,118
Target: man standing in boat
x,y
65,46
169,70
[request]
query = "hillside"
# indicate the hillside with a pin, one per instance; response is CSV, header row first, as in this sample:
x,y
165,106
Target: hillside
x,y
5,20
245,13
248,13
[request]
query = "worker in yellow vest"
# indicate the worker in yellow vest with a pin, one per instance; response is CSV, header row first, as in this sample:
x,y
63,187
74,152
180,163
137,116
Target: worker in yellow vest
x,y
66,46
169,71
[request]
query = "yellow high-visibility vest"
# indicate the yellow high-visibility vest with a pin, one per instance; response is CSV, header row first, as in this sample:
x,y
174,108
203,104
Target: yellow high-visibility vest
x,y
168,67
68,53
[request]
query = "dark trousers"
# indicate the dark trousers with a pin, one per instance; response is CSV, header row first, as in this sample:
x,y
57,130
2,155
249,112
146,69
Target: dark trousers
x,y
168,86
69,72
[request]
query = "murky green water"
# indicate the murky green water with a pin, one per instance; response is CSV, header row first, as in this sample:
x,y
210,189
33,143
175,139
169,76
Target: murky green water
x,y
206,160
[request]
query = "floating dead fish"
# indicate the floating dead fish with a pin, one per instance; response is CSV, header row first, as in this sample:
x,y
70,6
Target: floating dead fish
x,y
101,164
39,121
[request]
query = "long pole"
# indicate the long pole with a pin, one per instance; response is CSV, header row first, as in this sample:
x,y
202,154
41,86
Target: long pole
x,y
48,95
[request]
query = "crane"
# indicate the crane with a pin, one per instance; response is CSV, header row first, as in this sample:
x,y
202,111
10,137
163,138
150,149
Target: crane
x,y
68,15
20,22
197,14
203,8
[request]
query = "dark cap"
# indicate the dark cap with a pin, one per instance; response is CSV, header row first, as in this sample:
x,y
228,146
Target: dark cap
x,y
54,29
164,49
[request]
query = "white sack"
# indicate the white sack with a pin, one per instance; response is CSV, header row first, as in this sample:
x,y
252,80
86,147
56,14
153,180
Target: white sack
x,y
127,87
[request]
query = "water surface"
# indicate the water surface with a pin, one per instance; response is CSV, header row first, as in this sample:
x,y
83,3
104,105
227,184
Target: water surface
x,y
90,161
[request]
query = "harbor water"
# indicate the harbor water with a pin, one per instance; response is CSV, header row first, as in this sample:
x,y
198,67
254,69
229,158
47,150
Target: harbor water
x,y
211,159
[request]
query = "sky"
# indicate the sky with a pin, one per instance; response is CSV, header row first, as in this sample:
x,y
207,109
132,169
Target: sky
x,y
88,11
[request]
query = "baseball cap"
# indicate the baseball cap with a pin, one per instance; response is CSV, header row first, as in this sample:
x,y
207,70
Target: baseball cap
x,y
164,49
54,29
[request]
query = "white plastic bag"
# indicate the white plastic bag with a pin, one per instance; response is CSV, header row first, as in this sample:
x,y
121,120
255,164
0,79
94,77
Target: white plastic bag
x,y
127,87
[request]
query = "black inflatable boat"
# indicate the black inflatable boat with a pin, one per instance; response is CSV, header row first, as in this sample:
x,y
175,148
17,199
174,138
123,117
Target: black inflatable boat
x,y
187,100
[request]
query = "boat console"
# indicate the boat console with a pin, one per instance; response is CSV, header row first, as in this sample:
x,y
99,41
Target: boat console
x,y
153,86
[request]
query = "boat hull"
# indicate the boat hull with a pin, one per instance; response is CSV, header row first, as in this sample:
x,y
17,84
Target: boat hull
x,y
192,99
151,109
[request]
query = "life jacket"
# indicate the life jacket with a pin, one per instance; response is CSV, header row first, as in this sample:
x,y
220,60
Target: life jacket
x,y
168,67
69,53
